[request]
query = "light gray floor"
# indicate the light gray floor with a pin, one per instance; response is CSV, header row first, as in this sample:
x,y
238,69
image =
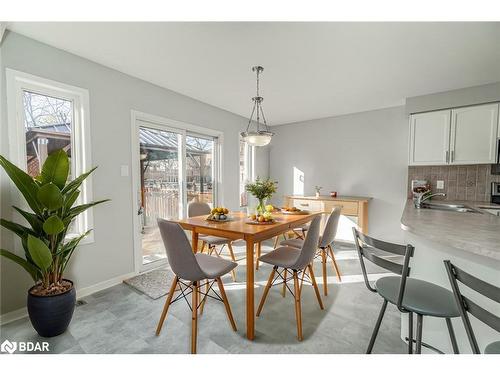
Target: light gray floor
x,y
121,320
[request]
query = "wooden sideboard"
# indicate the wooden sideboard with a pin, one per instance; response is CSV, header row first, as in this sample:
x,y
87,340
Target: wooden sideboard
x,y
351,206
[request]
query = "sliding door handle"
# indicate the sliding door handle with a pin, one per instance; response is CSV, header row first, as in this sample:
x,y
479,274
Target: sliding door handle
x,y
447,156
452,158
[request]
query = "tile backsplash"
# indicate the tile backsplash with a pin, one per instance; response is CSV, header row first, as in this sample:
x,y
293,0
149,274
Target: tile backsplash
x,y
461,182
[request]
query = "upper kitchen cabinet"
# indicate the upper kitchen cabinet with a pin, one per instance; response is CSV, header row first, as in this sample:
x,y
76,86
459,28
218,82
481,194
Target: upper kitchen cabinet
x,y
474,134
430,138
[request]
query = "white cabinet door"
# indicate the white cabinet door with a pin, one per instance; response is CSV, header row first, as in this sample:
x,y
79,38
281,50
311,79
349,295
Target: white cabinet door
x,y
473,134
430,138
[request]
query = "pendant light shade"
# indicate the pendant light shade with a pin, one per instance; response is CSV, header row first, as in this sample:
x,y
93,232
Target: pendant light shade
x,y
262,135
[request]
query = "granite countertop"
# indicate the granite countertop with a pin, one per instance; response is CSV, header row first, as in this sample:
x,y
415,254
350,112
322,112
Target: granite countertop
x,y
477,233
328,198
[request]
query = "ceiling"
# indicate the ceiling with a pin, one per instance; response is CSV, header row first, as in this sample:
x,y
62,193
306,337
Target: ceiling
x,y
312,70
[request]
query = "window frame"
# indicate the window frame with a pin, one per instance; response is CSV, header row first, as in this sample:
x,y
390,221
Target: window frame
x,y
17,82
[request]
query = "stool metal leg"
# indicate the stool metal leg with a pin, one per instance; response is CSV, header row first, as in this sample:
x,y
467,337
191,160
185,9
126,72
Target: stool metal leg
x,y
452,336
418,348
377,326
410,333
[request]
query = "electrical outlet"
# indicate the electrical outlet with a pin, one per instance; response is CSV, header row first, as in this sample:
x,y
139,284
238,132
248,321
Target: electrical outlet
x,y
440,184
124,171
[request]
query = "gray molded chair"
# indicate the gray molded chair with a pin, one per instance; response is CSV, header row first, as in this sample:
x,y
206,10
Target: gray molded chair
x,y
202,208
192,272
325,244
411,296
465,305
298,262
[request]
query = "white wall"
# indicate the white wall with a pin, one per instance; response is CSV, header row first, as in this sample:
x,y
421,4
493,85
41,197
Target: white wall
x,y
112,96
357,154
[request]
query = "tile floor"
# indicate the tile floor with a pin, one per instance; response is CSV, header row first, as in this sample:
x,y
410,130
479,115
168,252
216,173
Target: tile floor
x,y
121,320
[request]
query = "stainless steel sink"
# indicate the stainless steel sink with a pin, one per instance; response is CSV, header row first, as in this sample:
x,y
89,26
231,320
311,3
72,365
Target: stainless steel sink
x,y
449,207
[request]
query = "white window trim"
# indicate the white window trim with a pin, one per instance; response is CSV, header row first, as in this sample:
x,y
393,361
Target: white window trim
x,y
162,123
17,82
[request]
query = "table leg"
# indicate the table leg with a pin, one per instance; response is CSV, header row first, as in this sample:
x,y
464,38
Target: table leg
x,y
194,241
250,289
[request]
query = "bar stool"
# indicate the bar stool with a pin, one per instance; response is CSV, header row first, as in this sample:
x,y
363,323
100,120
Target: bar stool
x,y
191,271
297,261
465,305
325,249
411,296
203,208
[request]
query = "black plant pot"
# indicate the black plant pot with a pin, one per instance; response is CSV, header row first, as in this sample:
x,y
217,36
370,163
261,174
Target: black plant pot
x,y
51,315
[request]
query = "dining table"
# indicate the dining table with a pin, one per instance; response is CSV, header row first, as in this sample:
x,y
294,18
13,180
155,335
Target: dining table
x,y
240,227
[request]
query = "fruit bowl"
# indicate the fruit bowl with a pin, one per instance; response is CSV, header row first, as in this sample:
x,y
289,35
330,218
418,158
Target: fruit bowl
x,y
219,214
293,211
262,219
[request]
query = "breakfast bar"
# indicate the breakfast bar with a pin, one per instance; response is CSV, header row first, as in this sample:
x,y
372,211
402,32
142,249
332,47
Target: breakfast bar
x,y
471,240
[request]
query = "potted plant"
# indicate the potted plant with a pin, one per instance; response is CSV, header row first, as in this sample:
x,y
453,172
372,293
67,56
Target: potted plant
x,y
47,249
262,190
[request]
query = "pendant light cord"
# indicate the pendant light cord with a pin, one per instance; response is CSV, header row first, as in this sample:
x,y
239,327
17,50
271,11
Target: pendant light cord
x,y
257,104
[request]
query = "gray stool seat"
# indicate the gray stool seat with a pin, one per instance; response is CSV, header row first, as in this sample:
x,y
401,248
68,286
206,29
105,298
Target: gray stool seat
x,y
420,296
281,257
493,348
214,267
214,240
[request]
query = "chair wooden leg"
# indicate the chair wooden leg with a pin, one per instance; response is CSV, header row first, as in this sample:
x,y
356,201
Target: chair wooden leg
x,y
233,258
325,274
335,265
167,305
194,317
276,239
298,312
226,303
203,244
283,291
259,251
204,298
315,286
266,290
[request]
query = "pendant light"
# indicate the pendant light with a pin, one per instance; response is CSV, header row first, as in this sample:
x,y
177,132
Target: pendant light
x,y
262,135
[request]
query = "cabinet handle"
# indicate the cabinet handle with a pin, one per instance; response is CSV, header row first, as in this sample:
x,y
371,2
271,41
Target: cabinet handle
x,y
305,204
452,156
447,156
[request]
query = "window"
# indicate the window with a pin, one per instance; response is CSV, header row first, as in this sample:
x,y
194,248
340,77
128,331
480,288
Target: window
x,y
45,116
246,170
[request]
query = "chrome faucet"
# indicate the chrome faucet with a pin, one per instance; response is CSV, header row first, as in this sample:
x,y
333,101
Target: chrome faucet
x,y
422,198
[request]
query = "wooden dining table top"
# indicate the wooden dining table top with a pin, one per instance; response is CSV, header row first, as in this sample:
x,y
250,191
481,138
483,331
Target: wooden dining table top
x,y
239,225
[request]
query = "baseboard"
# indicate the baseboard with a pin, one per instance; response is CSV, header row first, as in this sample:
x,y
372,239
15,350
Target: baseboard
x,y
13,315
83,292
80,293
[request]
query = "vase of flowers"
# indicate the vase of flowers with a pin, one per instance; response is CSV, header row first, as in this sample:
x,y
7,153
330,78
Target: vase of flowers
x,y
262,190
318,190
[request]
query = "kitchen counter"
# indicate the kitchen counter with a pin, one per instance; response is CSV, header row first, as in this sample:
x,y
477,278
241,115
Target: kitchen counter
x,y
477,233
469,240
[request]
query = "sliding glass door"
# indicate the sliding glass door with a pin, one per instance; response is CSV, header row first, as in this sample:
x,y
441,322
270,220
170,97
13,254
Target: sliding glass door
x,y
175,167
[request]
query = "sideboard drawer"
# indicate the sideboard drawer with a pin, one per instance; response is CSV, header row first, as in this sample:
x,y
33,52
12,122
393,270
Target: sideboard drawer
x,y
348,208
307,204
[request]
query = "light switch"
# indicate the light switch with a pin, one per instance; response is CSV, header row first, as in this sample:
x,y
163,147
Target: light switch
x,y
124,172
440,184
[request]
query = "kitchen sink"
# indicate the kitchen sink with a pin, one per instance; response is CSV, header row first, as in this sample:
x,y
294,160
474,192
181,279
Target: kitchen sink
x,y
449,207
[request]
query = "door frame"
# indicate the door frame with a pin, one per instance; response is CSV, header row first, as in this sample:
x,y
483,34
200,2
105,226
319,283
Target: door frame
x,y
165,124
